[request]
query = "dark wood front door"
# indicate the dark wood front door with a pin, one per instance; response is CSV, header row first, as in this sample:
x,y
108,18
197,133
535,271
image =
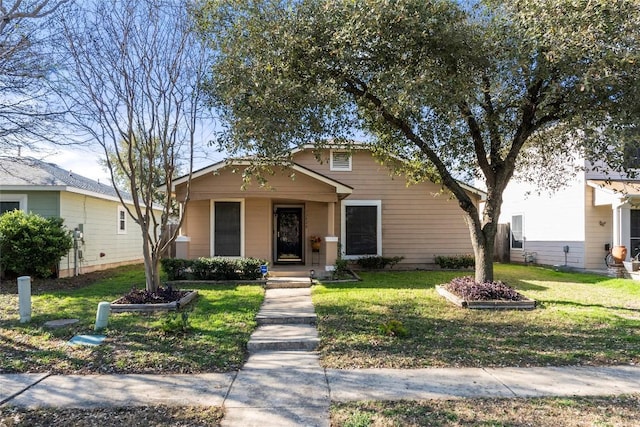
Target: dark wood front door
x,y
288,232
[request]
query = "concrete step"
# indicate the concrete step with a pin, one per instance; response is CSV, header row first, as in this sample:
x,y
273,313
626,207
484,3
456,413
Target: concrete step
x,y
281,285
288,282
283,337
286,319
287,306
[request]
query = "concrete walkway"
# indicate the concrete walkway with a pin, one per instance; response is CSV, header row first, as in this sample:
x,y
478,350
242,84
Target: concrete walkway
x,y
282,383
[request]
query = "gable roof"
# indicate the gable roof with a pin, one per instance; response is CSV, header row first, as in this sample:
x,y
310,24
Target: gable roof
x,y
340,187
248,161
365,146
29,174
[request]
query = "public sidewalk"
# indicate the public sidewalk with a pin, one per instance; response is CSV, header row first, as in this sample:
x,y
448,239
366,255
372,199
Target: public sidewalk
x,y
85,391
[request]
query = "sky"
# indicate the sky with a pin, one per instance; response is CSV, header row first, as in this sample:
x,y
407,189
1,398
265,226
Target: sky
x,y
86,161
75,159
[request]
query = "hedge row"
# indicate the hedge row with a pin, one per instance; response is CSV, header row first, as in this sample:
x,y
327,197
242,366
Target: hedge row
x,y
212,268
456,261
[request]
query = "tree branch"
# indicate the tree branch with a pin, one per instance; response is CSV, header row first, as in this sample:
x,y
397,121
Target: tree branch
x,y
359,90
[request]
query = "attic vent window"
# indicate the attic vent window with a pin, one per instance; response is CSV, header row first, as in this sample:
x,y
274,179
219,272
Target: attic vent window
x,y
340,161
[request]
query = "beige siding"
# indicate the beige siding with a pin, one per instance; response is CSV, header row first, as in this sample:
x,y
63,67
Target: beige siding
x,y
316,220
598,231
197,227
99,222
419,222
258,226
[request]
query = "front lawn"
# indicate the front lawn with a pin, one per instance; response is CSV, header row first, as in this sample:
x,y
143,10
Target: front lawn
x,y
580,319
221,321
619,411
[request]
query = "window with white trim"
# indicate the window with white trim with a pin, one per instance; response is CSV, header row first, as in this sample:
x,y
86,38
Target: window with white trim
x,y
122,220
517,231
361,228
10,202
228,228
340,161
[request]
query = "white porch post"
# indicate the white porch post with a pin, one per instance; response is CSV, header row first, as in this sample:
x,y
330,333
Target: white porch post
x,y
622,226
330,240
616,225
182,247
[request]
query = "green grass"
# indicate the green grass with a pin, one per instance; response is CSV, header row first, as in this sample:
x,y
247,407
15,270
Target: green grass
x,y
616,411
581,319
221,321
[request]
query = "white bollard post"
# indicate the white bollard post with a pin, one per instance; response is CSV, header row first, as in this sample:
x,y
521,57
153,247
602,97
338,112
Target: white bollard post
x,y
102,315
24,298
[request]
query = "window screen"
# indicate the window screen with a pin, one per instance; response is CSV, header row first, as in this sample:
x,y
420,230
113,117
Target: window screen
x,y
361,232
227,229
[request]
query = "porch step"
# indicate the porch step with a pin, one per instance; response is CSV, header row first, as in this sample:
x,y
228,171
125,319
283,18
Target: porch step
x,y
288,282
283,306
283,337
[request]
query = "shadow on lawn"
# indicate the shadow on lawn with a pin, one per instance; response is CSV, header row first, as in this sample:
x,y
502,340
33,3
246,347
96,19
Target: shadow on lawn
x,y
435,342
579,304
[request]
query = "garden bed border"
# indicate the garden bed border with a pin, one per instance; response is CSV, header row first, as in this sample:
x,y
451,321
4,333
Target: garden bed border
x,y
147,308
526,304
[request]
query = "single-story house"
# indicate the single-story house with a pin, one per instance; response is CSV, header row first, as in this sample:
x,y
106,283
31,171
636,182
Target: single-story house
x,y
577,225
105,235
347,199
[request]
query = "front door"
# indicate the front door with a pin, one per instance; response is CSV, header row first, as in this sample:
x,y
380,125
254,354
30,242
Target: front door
x,y
288,235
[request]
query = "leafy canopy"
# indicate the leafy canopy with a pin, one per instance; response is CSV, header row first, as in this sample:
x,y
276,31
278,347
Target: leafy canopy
x,y
475,90
462,85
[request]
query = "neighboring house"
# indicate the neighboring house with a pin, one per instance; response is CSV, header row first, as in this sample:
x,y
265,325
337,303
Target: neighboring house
x,y
105,234
349,200
577,225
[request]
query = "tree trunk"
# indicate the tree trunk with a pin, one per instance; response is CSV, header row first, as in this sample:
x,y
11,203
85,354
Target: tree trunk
x,y
151,265
483,242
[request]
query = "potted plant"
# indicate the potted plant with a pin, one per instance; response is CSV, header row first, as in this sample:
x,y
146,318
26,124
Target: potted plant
x,y
315,243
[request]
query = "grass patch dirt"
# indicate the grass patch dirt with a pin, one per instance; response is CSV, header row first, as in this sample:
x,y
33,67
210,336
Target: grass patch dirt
x,y
581,319
620,411
219,322
132,416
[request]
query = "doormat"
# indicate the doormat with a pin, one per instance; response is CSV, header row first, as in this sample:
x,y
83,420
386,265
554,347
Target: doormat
x,y
86,340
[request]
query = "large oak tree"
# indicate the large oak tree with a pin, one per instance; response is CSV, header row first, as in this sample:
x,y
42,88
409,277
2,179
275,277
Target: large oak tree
x,y
458,90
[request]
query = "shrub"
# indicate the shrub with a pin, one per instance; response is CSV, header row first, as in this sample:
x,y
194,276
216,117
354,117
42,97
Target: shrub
x,y
213,269
378,262
456,262
250,268
176,268
31,244
470,290
341,269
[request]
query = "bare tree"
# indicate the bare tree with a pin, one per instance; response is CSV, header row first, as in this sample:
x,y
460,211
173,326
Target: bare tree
x,y
136,67
27,112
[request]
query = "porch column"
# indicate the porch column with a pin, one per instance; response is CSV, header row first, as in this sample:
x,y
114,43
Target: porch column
x,y
616,225
331,241
182,247
622,226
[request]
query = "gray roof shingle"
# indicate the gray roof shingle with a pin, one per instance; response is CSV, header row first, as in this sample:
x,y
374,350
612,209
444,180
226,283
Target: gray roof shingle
x,y
27,171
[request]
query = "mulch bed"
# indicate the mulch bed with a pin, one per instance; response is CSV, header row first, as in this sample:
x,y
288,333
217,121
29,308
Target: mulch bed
x,y
142,296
